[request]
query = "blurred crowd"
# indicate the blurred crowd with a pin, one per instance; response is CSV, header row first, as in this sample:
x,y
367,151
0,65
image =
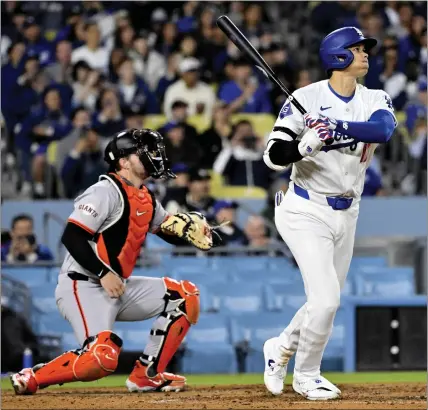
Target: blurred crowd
x,y
76,72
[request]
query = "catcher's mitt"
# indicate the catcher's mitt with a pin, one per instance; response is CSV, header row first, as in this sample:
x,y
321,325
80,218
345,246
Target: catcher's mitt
x,y
194,228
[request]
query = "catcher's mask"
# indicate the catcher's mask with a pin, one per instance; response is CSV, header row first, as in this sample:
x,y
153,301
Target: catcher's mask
x,y
145,143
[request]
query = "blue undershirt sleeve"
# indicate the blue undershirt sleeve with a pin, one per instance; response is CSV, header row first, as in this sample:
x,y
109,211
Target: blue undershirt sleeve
x,y
378,129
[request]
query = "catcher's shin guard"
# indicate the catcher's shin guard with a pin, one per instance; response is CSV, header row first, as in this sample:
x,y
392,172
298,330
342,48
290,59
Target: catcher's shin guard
x,y
181,311
96,359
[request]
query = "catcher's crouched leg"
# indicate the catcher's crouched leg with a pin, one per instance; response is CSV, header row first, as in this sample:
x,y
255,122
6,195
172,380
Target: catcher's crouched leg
x,y
96,359
168,331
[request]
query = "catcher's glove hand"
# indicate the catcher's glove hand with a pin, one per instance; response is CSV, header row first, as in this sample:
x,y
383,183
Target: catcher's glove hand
x,y
194,228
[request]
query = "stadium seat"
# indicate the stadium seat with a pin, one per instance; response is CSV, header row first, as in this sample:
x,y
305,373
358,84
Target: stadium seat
x,y
30,276
238,192
285,296
53,323
135,335
208,348
205,278
262,123
44,297
252,330
152,272
154,121
245,263
358,262
384,281
237,297
200,122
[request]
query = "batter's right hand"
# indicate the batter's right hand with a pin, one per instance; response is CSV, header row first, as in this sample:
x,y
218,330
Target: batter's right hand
x,y
113,285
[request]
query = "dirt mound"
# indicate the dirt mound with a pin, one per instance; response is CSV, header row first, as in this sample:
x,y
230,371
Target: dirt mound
x,y
364,396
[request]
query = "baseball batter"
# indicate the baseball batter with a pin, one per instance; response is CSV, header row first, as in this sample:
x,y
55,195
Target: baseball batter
x,y
330,149
103,238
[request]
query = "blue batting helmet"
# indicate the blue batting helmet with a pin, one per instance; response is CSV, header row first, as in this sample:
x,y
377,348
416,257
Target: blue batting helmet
x,y
334,51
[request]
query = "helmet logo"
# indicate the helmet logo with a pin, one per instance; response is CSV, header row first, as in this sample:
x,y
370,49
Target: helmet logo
x,y
359,32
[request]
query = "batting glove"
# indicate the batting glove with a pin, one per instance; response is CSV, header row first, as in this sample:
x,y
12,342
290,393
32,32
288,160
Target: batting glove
x,y
312,143
314,120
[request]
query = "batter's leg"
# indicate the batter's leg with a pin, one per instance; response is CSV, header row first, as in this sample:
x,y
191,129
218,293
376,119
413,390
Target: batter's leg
x,y
304,227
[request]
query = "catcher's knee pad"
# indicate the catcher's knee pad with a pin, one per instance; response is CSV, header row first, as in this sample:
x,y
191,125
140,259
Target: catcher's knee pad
x,y
185,295
97,358
181,311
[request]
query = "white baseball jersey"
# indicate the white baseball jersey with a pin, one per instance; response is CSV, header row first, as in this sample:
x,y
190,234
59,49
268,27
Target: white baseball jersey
x,y
339,169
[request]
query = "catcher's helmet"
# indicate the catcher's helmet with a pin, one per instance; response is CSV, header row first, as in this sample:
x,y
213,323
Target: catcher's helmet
x,y
145,143
334,51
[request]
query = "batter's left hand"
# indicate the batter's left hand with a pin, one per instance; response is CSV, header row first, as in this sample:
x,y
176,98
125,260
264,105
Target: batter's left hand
x,y
315,120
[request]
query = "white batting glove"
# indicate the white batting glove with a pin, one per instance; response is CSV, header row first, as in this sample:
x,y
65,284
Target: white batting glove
x,y
315,119
311,142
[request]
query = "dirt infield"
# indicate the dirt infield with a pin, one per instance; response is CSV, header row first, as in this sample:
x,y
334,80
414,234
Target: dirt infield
x,y
364,396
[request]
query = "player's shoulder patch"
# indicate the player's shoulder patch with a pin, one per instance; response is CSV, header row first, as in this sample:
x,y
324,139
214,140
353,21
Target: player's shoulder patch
x,y
286,110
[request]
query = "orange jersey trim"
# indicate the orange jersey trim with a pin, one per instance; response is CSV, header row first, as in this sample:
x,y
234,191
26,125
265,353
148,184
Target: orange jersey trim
x,y
85,325
73,221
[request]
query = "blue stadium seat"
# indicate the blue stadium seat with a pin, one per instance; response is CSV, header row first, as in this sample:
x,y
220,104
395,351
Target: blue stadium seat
x,y
334,352
238,297
207,279
30,276
281,296
383,281
255,329
208,348
362,261
152,272
135,335
43,297
266,276
247,263
349,288
53,323
185,263
281,263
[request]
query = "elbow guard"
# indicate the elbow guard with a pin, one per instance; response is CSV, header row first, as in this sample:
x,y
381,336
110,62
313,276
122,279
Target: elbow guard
x,y
279,154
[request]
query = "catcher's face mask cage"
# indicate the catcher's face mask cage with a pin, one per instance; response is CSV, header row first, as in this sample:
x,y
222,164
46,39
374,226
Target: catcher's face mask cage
x,y
149,147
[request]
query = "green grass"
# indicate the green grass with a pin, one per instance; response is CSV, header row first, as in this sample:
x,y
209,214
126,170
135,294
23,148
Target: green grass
x,y
223,379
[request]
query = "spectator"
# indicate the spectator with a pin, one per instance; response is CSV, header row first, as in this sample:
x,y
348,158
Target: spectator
x,y
136,97
180,114
240,162
36,45
253,26
417,109
92,52
373,183
12,69
116,57
61,71
256,237
231,234
148,63
199,96
81,121
410,45
186,20
405,14
178,187
244,93
179,147
166,43
83,165
108,119
25,95
196,198
85,85
124,38
23,246
212,139
38,130
170,77
393,81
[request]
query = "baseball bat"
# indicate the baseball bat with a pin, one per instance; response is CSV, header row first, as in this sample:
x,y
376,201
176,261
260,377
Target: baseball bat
x,y
235,35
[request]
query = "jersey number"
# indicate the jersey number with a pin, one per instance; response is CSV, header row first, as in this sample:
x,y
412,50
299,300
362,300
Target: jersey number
x,y
365,155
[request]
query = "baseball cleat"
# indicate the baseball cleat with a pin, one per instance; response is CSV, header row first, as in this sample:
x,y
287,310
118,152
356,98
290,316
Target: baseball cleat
x,y
164,382
24,382
318,388
275,366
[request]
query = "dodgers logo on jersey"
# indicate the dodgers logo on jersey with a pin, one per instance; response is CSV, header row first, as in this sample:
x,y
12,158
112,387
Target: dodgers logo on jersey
x,y
389,103
285,110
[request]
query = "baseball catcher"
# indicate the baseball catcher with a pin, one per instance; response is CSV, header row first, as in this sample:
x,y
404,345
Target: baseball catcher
x,y
103,238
